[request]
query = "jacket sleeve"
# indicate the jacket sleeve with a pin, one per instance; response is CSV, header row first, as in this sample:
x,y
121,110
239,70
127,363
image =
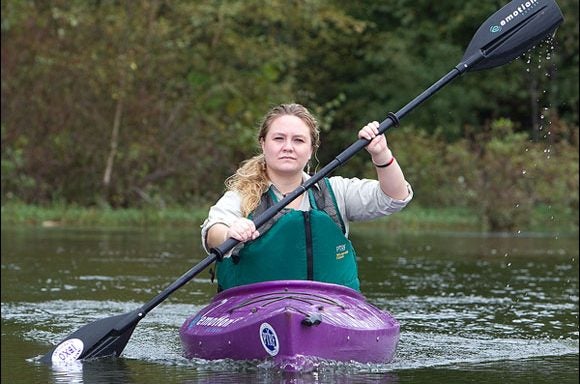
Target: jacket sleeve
x,y
224,211
363,199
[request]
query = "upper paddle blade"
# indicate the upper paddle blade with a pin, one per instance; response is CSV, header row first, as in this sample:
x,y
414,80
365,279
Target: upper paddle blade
x,y
104,337
511,31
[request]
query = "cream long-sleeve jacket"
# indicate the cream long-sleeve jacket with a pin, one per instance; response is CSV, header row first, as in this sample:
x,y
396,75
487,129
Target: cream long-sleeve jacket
x,y
357,199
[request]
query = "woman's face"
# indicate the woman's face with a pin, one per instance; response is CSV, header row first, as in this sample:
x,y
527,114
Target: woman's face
x,y
287,146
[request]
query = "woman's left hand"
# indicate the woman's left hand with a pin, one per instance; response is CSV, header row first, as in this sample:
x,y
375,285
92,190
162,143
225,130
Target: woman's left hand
x,y
377,147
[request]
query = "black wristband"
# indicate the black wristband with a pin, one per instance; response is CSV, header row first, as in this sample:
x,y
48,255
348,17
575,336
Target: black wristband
x,y
386,164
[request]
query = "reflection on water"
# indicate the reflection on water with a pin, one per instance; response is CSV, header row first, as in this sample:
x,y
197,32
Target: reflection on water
x,y
101,371
480,308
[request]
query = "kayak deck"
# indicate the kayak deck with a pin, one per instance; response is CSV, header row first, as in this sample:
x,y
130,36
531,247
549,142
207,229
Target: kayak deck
x,y
287,320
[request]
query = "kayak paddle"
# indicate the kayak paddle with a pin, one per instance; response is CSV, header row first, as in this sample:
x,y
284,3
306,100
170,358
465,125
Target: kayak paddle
x,y
504,36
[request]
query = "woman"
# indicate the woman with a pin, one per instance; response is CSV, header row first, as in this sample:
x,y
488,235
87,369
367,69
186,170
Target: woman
x,y
309,238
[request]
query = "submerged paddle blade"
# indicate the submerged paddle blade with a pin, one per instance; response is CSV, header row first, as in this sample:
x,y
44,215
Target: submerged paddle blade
x,y
104,337
511,31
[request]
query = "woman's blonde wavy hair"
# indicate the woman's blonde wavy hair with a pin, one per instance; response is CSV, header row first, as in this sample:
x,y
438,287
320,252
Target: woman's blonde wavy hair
x,y
251,179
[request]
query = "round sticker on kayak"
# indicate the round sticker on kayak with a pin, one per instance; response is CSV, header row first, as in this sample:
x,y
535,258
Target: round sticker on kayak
x,y
68,351
269,339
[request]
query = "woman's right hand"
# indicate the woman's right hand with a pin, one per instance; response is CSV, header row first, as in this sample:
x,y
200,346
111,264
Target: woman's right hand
x,y
243,230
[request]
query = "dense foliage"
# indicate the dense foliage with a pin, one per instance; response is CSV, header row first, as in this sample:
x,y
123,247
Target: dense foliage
x,y
154,103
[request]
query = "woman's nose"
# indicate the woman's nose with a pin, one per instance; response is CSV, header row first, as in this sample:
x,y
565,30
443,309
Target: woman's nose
x,y
287,145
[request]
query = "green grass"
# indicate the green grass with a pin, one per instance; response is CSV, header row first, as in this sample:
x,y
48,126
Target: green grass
x,y
17,214
412,218
59,215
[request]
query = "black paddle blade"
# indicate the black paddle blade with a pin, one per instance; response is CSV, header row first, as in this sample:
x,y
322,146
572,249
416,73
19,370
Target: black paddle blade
x,y
511,31
104,337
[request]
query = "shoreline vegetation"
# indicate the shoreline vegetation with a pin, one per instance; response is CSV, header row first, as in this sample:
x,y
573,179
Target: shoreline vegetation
x,y
413,219
145,118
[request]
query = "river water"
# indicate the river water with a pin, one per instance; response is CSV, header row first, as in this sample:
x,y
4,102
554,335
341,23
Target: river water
x,y
485,308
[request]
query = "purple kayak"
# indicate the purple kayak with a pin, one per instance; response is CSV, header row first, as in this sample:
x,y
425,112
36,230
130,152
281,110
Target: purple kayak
x,y
288,321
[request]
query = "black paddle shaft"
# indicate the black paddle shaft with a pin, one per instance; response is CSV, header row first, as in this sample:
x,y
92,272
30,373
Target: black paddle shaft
x,y
218,252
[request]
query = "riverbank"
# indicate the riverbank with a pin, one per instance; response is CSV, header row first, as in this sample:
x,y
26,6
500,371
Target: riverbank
x,y
413,218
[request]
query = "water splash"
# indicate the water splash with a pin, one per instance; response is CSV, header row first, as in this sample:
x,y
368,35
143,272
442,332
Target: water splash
x,y
432,337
